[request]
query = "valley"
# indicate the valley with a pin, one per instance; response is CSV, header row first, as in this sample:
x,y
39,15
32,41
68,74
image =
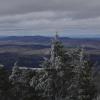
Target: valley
x,y
30,51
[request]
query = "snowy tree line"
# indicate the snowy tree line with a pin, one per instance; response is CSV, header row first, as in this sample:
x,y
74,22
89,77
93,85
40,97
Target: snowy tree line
x,y
66,75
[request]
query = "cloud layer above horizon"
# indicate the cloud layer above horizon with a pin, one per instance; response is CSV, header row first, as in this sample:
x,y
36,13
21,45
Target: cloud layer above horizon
x,y
41,17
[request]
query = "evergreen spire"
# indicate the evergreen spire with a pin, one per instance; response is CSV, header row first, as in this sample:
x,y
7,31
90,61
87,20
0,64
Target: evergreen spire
x,y
57,50
56,36
15,72
15,64
82,54
53,45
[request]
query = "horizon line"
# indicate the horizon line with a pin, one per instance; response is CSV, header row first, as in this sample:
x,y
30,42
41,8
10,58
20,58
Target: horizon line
x,y
47,36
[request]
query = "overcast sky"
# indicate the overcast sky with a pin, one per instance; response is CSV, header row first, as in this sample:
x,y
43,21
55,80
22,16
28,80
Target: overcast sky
x,y
74,18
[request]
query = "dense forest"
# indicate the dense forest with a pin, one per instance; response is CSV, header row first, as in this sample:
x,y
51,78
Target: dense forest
x,y
65,75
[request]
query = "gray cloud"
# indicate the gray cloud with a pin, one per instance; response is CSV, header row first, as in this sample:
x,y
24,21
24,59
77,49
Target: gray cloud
x,y
44,16
79,8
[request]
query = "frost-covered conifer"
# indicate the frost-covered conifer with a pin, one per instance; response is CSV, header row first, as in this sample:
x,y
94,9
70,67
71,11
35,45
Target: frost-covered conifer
x,y
16,73
84,87
87,88
59,72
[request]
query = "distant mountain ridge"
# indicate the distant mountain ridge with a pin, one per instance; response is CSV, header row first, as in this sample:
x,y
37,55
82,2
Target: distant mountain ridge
x,y
40,38
47,40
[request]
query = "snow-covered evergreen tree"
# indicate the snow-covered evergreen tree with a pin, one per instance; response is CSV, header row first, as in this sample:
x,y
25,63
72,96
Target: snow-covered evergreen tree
x,y
83,81
59,72
21,87
87,89
77,61
16,73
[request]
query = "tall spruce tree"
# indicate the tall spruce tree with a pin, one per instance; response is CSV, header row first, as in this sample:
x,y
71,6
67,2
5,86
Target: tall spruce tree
x,y
77,59
15,81
59,72
86,87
